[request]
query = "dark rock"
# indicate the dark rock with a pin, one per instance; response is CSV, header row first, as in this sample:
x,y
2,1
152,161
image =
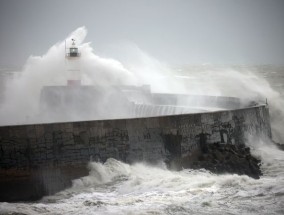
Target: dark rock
x,y
13,213
218,155
226,158
96,203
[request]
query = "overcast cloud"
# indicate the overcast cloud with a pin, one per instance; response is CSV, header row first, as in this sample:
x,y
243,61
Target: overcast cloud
x,y
173,31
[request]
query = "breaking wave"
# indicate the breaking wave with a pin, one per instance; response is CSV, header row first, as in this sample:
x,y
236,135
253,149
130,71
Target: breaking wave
x,y
118,188
114,187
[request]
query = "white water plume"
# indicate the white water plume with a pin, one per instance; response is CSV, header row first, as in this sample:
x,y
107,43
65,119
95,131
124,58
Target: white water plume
x,y
118,188
22,94
242,82
247,85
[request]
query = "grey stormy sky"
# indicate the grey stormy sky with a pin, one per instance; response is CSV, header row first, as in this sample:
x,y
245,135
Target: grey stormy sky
x,y
174,31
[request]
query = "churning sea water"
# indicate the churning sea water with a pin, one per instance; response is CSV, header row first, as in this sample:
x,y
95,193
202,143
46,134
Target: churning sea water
x,y
118,188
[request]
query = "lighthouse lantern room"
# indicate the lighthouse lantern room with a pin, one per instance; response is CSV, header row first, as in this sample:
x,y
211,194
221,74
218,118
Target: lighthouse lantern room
x,y
72,62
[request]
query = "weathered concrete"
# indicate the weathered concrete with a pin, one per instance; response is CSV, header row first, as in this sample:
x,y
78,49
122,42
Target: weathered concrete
x,y
40,159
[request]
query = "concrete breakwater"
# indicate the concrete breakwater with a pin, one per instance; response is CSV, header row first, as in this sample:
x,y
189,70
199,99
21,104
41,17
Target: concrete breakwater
x,y
41,159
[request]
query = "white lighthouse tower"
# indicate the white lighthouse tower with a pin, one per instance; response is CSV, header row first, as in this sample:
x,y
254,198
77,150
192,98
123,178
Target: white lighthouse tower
x,y
72,63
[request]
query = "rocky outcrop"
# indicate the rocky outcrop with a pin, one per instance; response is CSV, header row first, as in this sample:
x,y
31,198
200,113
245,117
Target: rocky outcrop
x,y
225,158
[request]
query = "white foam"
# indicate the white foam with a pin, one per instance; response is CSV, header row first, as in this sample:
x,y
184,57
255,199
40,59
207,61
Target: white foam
x,y
118,188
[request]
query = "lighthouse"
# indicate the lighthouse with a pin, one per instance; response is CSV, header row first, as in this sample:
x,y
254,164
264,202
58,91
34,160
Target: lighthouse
x,y
72,64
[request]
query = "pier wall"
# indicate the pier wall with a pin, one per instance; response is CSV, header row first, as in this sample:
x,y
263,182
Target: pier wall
x,y
41,159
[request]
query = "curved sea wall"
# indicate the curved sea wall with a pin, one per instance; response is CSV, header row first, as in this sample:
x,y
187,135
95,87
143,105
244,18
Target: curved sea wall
x,y
41,159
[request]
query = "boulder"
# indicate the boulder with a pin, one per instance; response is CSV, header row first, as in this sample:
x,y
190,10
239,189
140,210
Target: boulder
x,y
225,158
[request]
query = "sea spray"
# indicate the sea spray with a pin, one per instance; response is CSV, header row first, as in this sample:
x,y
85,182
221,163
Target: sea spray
x,y
22,94
141,189
118,188
244,82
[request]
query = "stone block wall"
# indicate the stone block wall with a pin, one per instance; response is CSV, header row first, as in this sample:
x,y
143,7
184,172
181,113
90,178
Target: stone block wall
x,y
40,159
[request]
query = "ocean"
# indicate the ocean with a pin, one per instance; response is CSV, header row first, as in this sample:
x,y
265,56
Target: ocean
x,y
116,188
119,188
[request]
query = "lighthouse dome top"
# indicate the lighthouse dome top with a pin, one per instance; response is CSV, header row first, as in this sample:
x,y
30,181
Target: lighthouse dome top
x,y
73,50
